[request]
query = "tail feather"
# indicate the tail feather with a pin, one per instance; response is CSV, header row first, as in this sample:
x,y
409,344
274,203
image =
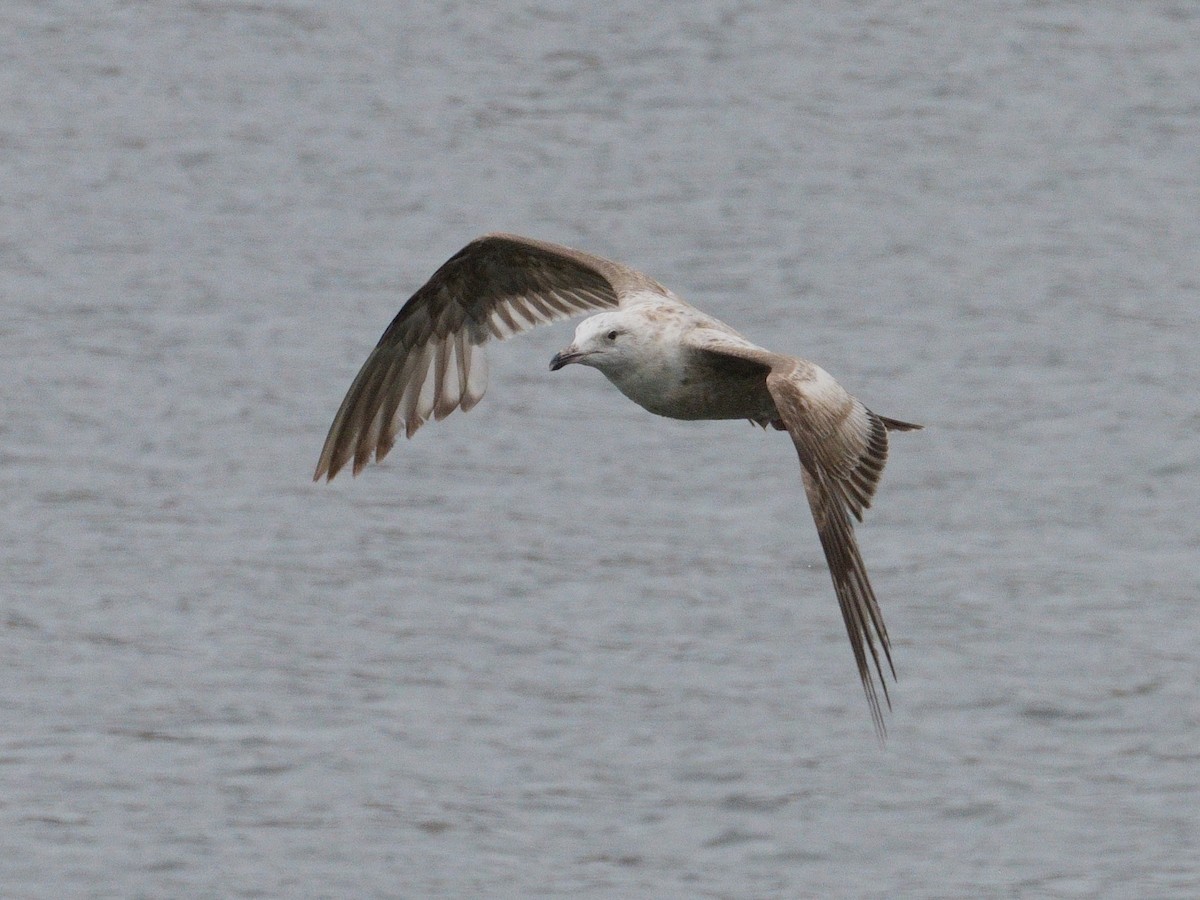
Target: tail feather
x,y
897,425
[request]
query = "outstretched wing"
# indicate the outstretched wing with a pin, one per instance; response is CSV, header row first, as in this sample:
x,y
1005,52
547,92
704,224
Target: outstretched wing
x,y
430,359
843,448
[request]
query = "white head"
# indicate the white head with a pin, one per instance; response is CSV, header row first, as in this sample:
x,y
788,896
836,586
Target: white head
x,y
605,341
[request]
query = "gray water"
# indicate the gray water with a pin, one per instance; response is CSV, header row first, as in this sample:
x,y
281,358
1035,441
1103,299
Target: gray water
x,y
558,646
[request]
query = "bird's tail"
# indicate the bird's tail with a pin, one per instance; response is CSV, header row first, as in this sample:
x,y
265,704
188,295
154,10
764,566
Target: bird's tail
x,y
897,425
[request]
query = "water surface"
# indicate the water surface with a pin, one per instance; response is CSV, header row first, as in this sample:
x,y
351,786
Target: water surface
x,y
559,646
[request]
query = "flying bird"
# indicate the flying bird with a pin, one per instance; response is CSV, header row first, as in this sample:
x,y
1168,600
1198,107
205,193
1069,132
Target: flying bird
x,y
663,354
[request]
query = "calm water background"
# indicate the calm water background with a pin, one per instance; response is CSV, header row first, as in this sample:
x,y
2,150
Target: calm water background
x,y
559,646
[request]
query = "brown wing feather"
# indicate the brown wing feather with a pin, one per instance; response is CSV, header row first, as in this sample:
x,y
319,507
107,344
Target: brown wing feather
x,y
429,360
849,441
843,448
840,473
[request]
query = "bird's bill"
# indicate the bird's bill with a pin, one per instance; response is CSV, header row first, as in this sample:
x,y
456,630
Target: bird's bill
x,y
565,358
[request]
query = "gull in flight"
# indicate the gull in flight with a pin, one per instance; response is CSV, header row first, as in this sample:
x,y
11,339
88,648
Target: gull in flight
x,y
661,353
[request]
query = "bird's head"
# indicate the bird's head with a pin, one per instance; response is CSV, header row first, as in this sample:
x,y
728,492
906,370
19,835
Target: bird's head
x,y
604,341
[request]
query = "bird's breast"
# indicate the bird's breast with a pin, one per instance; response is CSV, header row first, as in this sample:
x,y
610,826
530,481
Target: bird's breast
x,y
677,390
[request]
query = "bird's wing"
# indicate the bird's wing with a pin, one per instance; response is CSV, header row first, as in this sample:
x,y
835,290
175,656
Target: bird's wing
x,y
843,437
718,339
842,447
430,360
725,351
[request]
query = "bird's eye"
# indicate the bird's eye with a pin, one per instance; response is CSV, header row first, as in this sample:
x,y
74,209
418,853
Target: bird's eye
x,y
612,335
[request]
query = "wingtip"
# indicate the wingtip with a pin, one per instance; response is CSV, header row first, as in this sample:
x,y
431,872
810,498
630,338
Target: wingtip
x,y
877,719
322,469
